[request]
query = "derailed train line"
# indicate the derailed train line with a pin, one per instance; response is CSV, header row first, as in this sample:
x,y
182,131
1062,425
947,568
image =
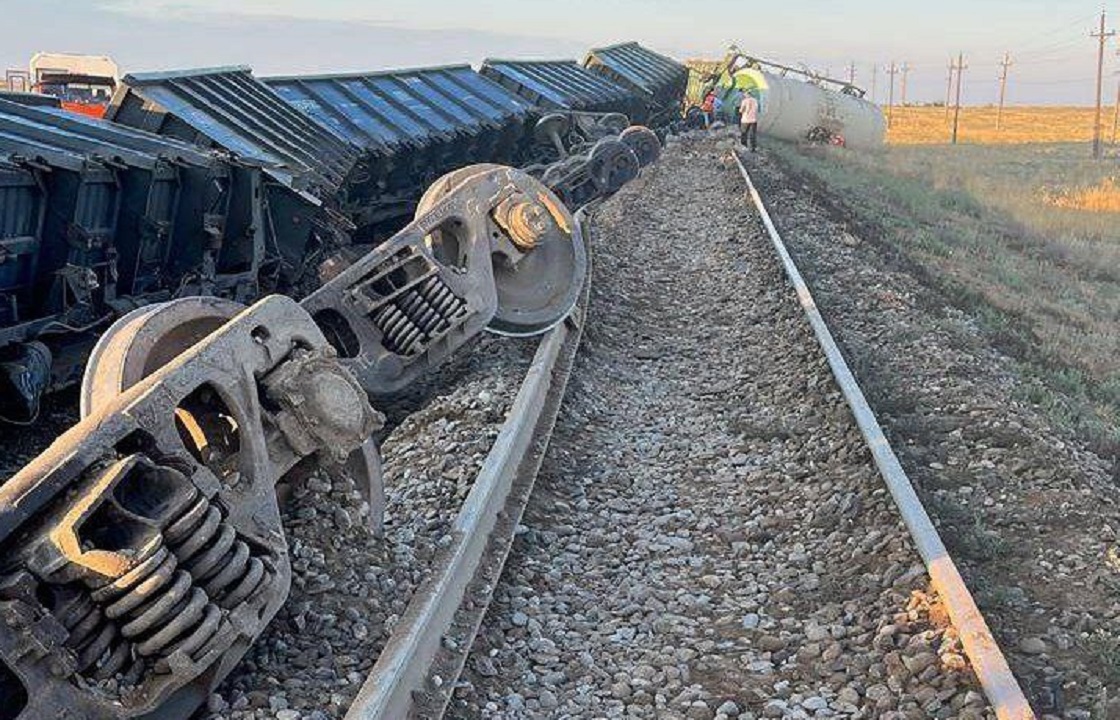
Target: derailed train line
x,y
144,551
273,184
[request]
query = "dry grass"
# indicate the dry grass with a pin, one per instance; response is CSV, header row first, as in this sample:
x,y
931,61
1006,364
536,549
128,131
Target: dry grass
x,y
1101,198
1026,236
913,125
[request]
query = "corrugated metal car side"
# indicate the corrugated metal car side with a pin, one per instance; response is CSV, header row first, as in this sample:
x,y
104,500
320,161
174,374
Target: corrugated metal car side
x,y
414,125
22,210
229,108
386,111
559,85
659,79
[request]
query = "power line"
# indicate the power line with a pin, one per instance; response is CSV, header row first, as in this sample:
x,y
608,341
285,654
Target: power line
x,y
1053,31
1059,81
1070,42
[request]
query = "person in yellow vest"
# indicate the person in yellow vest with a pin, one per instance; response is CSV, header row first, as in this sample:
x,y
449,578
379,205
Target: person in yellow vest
x,y
748,121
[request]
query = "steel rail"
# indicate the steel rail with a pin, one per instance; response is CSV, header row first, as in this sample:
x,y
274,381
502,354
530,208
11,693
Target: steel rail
x,y
416,672
988,662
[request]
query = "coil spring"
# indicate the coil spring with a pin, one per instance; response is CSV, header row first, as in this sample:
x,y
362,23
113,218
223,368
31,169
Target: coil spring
x,y
158,608
96,641
447,303
399,333
416,316
163,604
210,551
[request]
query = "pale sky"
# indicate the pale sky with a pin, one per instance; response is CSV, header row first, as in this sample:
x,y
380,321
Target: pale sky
x,y
1055,60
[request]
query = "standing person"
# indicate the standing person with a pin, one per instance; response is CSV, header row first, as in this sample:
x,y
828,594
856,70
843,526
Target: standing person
x,y
748,121
709,108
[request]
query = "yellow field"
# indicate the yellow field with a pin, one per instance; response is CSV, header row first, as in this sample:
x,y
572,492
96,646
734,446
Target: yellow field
x,y
925,125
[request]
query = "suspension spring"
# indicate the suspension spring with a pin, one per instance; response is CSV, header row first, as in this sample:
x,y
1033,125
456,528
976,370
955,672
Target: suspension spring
x,y
96,641
159,609
418,315
211,553
398,331
446,303
163,604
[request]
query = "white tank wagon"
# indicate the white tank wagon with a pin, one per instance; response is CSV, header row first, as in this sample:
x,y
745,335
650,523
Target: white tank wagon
x,y
794,109
794,105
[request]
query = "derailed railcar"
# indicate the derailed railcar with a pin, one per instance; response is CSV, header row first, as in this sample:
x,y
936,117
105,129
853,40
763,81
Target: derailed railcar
x,y
413,126
794,104
561,85
99,219
31,99
659,81
586,147
304,163
21,230
214,182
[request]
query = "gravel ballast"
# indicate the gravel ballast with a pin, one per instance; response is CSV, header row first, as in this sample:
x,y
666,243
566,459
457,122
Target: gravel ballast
x,y
708,537
1027,509
349,587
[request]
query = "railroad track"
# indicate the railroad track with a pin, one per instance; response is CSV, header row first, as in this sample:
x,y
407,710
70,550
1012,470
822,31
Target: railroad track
x,y
152,553
419,668
711,534
988,662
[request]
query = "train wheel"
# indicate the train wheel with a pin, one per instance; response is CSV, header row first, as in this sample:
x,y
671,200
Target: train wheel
x,y
643,142
614,123
145,340
539,273
613,164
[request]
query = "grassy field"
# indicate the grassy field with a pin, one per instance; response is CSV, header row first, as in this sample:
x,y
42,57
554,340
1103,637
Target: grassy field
x,y
933,125
1025,236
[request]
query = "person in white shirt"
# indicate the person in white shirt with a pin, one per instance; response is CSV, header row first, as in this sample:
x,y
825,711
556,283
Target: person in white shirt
x,y
748,121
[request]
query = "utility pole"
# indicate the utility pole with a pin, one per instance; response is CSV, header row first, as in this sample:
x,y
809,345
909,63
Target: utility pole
x,y
874,82
852,73
960,68
949,89
1006,63
1116,114
1101,36
892,71
905,74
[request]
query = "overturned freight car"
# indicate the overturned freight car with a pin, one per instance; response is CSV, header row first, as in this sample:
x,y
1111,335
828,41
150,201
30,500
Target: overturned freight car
x,y
412,127
303,164
215,182
584,126
99,219
658,81
794,104
562,85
